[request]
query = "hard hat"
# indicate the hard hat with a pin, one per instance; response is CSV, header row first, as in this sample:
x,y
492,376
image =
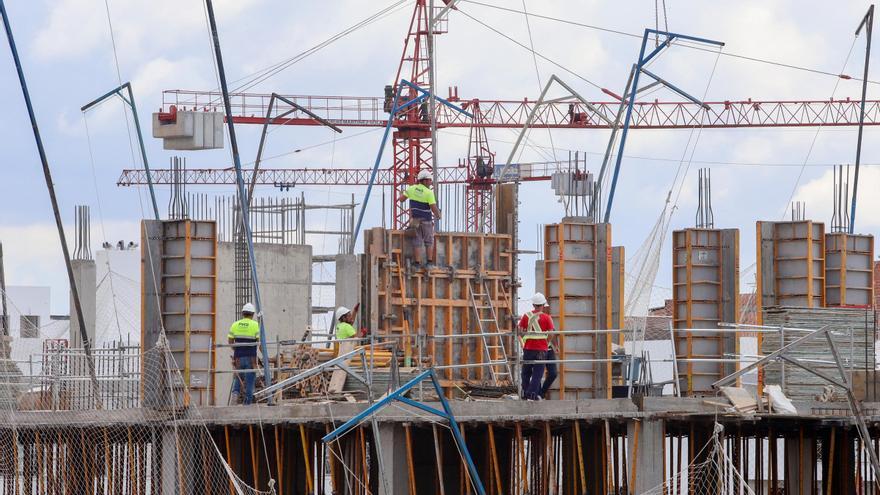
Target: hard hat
x,y
340,312
538,299
424,174
248,308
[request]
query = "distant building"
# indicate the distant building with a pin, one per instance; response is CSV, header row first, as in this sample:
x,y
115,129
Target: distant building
x,y
660,318
31,324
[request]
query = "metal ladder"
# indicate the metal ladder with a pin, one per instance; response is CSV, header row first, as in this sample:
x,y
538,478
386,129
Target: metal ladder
x,y
499,367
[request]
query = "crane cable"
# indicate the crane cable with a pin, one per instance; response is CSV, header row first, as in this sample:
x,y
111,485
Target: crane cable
x,y
816,134
687,45
537,72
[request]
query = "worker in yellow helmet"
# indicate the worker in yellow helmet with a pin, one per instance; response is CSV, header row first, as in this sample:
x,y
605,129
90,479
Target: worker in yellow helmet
x,y
246,333
423,211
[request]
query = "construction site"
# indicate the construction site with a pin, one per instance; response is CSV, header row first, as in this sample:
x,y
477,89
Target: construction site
x,y
412,329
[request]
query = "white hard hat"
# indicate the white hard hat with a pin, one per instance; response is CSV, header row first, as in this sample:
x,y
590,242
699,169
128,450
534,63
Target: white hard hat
x,y
424,174
340,312
248,308
538,299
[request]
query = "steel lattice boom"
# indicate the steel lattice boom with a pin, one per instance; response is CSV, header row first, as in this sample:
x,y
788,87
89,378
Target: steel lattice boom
x,y
357,111
536,171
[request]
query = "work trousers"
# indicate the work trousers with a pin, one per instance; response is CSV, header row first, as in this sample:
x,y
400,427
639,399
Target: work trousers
x,y
552,373
532,374
248,377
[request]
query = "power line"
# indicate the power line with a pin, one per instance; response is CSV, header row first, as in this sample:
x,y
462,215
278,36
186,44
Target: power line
x,y
679,43
522,45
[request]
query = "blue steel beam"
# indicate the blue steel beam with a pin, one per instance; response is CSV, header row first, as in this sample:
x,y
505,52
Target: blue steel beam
x,y
394,110
137,125
868,24
446,414
242,195
670,37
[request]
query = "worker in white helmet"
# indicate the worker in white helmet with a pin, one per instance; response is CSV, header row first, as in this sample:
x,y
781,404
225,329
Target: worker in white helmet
x,y
245,333
535,324
344,318
423,211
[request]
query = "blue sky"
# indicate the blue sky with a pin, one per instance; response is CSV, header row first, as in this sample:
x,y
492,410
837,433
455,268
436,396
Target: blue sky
x,y
163,44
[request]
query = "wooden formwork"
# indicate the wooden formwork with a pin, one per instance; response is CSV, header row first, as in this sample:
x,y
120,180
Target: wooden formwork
x,y
791,264
705,292
419,308
579,283
849,270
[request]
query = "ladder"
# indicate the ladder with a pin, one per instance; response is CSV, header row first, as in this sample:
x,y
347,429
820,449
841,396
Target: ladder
x,y
487,318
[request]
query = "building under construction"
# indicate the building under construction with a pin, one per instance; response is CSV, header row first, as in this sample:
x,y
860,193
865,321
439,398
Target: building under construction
x,y
732,390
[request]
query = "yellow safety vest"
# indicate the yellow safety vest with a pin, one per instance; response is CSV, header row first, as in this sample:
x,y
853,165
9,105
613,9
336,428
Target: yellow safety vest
x,y
533,330
344,331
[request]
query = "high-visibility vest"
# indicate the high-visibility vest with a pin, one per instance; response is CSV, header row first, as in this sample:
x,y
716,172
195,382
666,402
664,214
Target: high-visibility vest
x,y
245,331
533,330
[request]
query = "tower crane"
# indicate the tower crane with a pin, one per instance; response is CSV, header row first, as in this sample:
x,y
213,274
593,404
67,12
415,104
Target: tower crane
x,y
412,144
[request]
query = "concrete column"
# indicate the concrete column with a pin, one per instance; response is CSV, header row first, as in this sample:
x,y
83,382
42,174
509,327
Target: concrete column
x,y
645,448
800,452
180,461
348,280
393,451
285,273
84,274
539,276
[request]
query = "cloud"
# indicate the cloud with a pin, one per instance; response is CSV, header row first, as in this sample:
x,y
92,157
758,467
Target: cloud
x,y
818,195
32,253
76,28
72,29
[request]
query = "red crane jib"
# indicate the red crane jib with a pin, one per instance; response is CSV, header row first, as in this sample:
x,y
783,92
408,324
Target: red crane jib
x,y
356,111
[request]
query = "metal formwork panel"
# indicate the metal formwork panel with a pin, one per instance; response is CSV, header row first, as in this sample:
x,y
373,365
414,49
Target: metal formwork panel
x,y
849,270
792,264
705,278
188,301
578,284
419,309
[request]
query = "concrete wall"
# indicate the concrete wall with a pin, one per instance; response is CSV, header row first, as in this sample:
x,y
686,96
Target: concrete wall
x,y
348,280
85,276
285,275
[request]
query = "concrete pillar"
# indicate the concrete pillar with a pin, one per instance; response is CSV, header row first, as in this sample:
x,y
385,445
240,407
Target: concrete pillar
x,y
168,466
285,274
177,470
85,275
539,275
645,448
348,280
800,453
392,439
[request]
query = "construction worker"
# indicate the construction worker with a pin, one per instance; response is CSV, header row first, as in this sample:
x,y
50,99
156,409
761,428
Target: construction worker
x,y
344,318
345,331
552,368
423,211
534,343
244,331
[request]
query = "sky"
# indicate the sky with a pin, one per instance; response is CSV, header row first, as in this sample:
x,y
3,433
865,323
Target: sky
x,y
69,59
